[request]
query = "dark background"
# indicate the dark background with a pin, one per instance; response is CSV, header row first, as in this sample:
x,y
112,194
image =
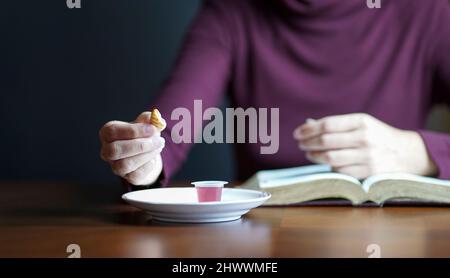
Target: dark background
x,y
64,73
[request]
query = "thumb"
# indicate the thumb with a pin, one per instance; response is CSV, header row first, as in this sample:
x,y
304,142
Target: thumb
x,y
144,118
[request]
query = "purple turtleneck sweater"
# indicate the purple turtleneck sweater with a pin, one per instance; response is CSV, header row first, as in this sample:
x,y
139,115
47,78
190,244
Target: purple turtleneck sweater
x,y
310,59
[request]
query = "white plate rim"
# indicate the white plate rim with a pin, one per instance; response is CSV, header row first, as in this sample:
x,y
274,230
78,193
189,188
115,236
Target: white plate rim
x,y
264,197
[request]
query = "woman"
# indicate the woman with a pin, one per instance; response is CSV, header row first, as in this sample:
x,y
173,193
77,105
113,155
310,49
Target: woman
x,y
368,77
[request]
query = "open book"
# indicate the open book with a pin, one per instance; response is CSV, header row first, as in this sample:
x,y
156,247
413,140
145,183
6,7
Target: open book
x,y
316,182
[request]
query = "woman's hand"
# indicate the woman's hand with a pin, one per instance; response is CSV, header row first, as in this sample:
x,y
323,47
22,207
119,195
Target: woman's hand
x,y
360,145
133,149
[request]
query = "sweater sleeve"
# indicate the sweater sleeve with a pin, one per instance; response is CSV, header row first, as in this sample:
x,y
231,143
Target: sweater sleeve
x,y
438,144
201,72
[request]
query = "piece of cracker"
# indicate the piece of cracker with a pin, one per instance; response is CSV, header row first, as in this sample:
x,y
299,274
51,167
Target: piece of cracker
x,y
157,120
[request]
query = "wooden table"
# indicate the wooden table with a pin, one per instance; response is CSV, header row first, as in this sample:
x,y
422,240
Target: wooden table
x,y
41,220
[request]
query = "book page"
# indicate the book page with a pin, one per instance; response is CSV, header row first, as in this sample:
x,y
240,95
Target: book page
x,y
293,172
305,179
402,176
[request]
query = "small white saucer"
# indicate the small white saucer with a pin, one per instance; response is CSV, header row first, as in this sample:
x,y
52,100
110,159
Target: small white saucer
x,y
181,205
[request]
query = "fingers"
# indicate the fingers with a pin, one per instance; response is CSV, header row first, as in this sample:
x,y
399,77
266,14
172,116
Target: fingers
x,y
115,130
144,118
133,149
331,124
338,158
127,148
331,141
147,173
125,166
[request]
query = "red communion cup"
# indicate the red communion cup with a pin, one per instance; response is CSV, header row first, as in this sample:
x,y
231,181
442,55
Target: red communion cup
x,y
209,191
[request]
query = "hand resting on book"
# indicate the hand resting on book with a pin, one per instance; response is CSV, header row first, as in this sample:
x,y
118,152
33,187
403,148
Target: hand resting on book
x,y
361,145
